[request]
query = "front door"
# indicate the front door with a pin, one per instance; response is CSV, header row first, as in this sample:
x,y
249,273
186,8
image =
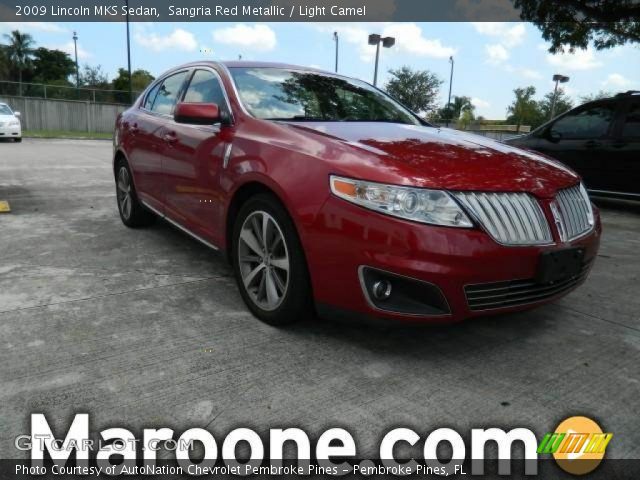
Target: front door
x,y
194,160
582,140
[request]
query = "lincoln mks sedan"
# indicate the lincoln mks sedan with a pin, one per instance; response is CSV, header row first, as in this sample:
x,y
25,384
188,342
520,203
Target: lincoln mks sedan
x,y
328,196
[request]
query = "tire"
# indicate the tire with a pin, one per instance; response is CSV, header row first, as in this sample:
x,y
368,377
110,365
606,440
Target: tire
x,y
274,294
132,212
18,140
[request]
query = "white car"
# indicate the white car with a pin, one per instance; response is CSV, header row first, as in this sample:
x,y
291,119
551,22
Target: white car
x,y
10,123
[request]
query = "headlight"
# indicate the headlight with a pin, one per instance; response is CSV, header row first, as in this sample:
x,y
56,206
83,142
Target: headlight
x,y
435,207
14,123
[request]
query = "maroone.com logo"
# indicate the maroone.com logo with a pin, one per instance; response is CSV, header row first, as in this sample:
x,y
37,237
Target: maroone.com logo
x,y
578,445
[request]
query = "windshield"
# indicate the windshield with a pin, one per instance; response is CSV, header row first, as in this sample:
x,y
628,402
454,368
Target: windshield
x,y
278,94
5,110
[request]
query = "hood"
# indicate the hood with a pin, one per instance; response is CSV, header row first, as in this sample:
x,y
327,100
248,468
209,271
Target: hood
x,y
441,158
4,118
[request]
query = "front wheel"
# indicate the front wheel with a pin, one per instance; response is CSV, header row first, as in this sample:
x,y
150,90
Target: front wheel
x,y
269,263
17,139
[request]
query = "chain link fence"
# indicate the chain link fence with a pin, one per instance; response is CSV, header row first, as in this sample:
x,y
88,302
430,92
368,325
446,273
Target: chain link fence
x,y
62,92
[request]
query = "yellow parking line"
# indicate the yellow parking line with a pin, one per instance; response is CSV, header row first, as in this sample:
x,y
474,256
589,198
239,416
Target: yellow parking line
x,y
4,206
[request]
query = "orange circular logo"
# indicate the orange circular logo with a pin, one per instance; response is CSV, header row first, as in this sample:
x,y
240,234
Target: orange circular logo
x,y
581,445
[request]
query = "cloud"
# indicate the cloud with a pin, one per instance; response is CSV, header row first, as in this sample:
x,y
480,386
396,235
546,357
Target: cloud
x,y
496,54
617,80
179,39
507,34
45,27
480,103
69,48
257,37
578,60
409,39
524,72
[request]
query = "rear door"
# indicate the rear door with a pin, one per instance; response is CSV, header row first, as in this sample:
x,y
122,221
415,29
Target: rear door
x,y
194,159
145,129
582,139
623,166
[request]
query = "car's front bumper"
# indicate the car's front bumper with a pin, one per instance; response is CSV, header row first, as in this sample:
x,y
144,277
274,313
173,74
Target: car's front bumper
x,y
461,263
10,131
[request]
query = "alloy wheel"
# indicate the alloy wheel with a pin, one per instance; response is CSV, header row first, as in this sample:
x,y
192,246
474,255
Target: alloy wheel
x,y
124,192
264,260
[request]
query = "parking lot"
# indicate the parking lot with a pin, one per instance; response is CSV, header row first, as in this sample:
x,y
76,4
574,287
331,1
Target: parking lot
x,y
145,328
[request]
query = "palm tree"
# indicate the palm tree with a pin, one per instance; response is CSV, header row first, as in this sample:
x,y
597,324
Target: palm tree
x,y
18,51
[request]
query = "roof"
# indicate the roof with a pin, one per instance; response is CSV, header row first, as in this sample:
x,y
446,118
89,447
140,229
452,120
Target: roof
x,y
250,64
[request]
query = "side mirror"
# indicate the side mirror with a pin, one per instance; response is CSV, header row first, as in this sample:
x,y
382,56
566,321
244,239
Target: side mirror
x,y
17,114
197,113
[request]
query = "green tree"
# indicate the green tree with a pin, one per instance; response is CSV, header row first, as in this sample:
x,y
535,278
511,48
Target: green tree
x,y
139,80
4,63
465,119
524,109
595,96
52,66
563,103
94,77
19,50
456,108
416,89
578,23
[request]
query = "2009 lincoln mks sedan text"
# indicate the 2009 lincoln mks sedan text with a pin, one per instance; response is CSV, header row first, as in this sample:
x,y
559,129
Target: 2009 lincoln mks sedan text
x,y
326,193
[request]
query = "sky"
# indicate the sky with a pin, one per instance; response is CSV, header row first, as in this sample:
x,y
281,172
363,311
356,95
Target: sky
x,y
491,59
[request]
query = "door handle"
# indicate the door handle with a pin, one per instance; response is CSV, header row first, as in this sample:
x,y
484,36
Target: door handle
x,y
592,144
170,138
619,144
134,128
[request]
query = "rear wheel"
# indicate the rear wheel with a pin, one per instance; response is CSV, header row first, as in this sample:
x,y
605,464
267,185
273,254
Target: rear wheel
x,y
132,213
269,263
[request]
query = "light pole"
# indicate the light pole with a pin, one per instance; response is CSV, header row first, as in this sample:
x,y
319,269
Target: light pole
x,y
558,79
129,56
450,85
337,40
75,46
387,42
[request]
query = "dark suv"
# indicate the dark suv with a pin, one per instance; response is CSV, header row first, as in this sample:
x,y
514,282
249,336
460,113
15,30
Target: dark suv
x,y
600,140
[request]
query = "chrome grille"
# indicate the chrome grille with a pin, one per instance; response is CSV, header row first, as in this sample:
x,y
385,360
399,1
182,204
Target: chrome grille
x,y
488,296
572,212
510,218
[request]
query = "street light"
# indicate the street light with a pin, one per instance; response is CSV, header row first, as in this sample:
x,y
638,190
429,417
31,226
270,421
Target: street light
x,y
387,42
558,79
75,46
449,112
337,40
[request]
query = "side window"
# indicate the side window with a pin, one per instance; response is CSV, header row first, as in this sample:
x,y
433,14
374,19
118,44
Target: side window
x,y
151,96
205,88
592,122
168,93
631,128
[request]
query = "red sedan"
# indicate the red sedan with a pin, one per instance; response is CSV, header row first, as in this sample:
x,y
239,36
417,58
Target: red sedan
x,y
327,194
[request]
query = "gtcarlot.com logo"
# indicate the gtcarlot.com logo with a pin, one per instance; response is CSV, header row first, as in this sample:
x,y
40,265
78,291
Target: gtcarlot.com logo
x,y
578,445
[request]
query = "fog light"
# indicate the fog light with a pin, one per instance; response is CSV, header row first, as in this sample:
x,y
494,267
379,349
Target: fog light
x,y
382,289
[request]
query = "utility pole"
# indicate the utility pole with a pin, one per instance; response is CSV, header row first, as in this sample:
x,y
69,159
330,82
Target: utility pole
x,y
558,79
75,46
387,42
337,40
129,56
450,85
